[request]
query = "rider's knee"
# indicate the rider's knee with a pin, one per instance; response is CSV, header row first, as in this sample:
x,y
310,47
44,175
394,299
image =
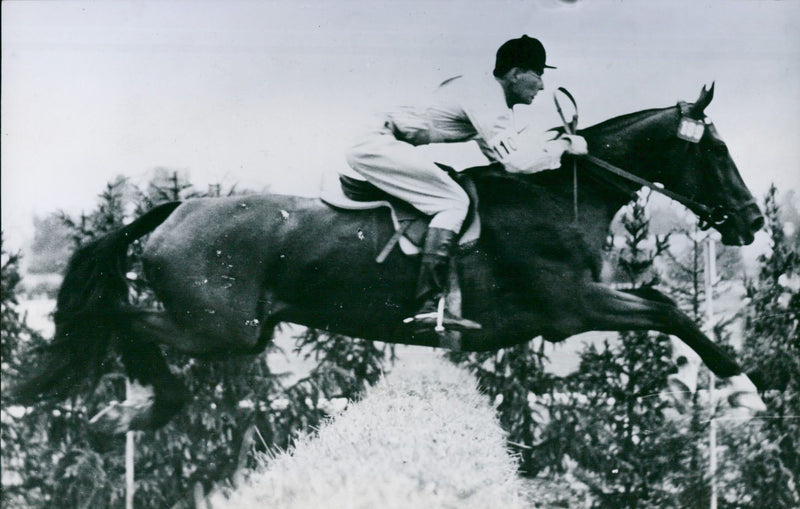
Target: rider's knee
x,y
454,212
460,202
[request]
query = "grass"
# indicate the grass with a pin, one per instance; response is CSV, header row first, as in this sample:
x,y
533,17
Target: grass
x,y
422,437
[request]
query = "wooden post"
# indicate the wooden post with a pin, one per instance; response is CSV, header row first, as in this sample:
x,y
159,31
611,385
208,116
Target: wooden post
x,y
130,486
711,274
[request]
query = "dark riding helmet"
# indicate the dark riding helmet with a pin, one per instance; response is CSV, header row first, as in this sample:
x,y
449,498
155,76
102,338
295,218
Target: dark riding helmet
x,y
526,53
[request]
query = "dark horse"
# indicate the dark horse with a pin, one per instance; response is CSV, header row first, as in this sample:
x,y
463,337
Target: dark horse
x,y
228,270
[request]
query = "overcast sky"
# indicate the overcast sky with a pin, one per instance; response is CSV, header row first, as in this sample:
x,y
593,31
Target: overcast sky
x,y
268,94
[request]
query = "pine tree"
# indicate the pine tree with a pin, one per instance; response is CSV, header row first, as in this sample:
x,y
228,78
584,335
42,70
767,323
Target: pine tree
x,y
686,278
767,450
15,332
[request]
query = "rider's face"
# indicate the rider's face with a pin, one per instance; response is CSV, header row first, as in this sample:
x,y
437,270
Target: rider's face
x,y
524,86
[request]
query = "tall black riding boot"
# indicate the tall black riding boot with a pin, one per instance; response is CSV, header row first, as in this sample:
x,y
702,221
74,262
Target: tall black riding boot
x,y
433,283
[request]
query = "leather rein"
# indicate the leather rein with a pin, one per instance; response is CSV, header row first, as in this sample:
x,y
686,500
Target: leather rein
x,y
690,130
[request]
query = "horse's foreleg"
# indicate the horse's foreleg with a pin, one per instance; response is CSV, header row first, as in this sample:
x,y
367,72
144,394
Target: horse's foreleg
x,y
155,397
608,309
683,383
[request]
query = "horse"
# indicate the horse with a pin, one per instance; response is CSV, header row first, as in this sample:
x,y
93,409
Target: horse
x,y
228,270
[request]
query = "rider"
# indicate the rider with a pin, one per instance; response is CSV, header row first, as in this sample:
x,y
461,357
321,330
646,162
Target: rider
x,y
463,108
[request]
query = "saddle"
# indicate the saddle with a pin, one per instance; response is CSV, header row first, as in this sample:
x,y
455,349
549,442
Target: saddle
x,y
410,225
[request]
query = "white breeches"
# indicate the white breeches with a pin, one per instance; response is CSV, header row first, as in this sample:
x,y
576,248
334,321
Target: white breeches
x,y
404,171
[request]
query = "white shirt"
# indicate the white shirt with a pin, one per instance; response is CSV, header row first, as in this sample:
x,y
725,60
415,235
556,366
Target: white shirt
x,y
474,108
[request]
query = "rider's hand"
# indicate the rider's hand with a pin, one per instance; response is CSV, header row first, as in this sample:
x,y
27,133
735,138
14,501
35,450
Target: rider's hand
x,y
576,145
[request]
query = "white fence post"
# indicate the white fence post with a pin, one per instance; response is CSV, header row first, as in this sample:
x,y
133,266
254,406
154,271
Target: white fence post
x,y
130,487
711,274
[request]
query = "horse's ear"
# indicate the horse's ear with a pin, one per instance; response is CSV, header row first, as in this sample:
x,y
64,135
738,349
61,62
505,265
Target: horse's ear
x,y
702,102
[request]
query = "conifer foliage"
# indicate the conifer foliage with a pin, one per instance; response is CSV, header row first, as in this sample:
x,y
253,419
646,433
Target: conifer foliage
x,y
768,449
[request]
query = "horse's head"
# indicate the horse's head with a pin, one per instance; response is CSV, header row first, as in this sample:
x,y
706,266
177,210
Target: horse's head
x,y
708,175
680,148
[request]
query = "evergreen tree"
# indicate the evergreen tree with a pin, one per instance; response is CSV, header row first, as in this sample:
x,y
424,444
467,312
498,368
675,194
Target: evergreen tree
x,y
515,380
686,278
755,456
767,450
17,427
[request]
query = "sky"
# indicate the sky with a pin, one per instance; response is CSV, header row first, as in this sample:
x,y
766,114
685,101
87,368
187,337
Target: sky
x,y
268,95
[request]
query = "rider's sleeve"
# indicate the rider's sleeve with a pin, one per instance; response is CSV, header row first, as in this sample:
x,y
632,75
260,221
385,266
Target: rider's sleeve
x,y
525,152
519,150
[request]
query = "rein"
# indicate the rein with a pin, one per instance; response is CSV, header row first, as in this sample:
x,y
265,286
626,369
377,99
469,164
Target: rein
x,y
570,127
689,130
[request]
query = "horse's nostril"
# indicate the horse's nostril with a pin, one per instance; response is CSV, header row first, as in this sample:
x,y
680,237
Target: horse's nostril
x,y
757,224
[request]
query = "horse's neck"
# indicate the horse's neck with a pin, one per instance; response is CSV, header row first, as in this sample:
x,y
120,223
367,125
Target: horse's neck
x,y
632,148
630,142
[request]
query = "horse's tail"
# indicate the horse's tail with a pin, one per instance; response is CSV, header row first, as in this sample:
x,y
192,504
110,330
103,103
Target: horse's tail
x,y
89,310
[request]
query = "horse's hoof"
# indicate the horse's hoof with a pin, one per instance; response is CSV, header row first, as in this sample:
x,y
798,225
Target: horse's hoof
x,y
680,391
741,392
111,420
750,400
679,387
119,418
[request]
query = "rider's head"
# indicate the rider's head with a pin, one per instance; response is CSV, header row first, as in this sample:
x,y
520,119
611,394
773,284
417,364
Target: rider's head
x,y
519,67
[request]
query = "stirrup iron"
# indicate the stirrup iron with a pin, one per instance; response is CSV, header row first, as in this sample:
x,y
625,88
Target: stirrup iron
x,y
438,315
440,322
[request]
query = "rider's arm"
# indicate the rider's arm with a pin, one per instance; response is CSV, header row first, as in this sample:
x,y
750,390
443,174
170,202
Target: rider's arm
x,y
519,150
529,152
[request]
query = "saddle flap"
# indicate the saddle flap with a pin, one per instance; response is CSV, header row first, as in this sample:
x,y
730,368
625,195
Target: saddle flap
x,y
363,191
410,224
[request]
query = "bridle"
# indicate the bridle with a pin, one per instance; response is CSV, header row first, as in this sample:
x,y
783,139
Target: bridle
x,y
689,129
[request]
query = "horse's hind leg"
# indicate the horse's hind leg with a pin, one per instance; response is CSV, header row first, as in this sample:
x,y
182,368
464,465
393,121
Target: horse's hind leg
x,y
162,395
203,338
157,394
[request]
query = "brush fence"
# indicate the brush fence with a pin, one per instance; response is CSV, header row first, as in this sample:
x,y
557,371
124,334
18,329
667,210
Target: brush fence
x,y
424,436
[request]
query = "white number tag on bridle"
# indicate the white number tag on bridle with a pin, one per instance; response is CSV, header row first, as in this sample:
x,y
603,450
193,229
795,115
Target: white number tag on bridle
x,y
691,130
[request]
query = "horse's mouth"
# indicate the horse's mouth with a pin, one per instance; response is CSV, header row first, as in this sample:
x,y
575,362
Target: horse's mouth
x,y
738,239
739,228
741,231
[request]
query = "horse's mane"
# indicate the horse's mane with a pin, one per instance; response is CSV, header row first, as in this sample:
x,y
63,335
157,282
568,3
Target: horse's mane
x,y
622,122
